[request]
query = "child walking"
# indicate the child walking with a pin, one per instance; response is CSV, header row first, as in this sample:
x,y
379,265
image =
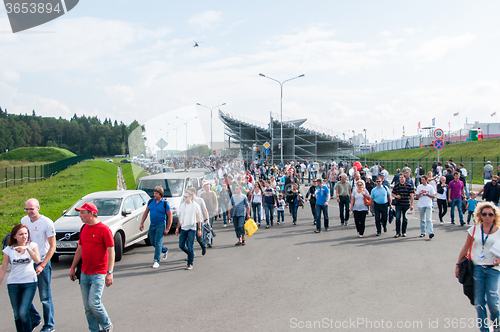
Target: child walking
x,y
281,209
471,206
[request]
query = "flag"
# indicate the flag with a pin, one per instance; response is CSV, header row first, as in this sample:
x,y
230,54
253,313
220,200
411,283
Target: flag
x,y
403,130
419,125
456,114
494,113
433,122
449,125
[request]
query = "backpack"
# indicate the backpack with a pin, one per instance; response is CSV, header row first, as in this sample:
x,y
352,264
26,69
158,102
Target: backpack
x,y
421,171
164,204
5,241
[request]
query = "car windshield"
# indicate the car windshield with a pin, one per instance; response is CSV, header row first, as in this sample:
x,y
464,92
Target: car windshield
x,y
171,187
105,206
209,176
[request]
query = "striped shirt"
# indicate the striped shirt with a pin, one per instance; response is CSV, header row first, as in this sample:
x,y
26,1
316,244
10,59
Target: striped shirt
x,y
405,190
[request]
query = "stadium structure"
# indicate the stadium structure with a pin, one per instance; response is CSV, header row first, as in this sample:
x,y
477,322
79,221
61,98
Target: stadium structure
x,y
300,141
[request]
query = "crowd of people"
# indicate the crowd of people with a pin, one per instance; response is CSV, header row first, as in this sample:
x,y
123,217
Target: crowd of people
x,y
241,189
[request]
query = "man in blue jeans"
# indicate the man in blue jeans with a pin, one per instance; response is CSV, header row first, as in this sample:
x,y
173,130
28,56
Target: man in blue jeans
x,y
381,201
96,250
239,207
455,193
43,234
322,198
160,210
189,224
270,202
343,191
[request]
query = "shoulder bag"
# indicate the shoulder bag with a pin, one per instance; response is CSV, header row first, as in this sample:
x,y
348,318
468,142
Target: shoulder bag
x,y
465,272
368,200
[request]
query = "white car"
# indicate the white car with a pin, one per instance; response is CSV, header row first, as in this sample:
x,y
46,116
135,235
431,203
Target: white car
x,y
120,210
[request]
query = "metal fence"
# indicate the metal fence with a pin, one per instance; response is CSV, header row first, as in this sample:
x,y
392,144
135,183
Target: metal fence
x,y
13,176
473,165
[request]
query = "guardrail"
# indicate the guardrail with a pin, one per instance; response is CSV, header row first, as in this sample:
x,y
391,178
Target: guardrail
x,y
13,176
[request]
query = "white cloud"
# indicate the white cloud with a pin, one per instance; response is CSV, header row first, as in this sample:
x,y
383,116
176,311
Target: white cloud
x,y
122,94
78,44
11,76
435,49
386,33
205,20
409,31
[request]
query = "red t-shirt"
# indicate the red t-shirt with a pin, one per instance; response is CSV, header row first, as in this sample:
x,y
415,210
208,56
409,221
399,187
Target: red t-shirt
x,y
94,241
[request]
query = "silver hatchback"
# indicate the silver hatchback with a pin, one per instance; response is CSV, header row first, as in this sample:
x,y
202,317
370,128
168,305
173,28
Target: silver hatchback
x,y
120,210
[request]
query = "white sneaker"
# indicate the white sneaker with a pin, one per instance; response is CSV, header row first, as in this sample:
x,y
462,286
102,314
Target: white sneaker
x,y
189,267
164,256
359,235
441,223
156,265
225,225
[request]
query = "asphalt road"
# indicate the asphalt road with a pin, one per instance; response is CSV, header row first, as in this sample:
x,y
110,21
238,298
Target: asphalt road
x,y
285,278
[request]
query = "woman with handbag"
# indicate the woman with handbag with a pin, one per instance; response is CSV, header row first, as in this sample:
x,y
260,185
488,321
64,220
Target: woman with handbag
x,y
486,270
22,280
359,198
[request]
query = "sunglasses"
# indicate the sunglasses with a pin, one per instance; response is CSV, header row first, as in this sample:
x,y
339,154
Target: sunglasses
x,y
29,209
360,184
377,181
487,214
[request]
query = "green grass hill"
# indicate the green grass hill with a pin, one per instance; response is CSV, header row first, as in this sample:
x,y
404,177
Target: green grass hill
x,y
57,193
478,150
472,154
37,154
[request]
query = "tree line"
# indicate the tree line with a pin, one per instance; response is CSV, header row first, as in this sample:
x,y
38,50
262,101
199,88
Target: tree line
x,y
80,135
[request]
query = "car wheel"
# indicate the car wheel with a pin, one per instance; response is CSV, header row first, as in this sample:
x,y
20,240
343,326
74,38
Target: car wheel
x,y
118,247
147,240
55,258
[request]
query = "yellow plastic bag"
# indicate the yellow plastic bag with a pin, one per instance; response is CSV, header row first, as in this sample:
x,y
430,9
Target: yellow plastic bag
x,y
250,227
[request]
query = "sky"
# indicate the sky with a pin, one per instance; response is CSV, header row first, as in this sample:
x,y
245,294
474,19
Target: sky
x,y
374,65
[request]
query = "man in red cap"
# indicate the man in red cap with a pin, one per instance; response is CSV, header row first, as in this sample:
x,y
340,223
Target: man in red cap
x,y
96,249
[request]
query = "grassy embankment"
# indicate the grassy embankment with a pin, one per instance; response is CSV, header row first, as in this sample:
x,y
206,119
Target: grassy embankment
x,y
479,151
38,155
57,193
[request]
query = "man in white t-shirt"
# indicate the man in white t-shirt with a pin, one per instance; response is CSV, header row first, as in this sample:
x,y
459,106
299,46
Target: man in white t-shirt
x,y
42,232
425,194
189,225
204,217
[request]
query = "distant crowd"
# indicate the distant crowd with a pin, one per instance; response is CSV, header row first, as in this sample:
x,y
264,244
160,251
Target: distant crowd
x,y
240,190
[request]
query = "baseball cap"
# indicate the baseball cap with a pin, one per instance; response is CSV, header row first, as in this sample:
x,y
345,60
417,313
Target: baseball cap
x,y
488,162
88,206
206,184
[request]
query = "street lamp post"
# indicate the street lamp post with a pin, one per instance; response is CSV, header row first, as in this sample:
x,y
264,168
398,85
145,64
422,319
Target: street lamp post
x,y
365,144
353,143
281,108
186,123
211,128
176,138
